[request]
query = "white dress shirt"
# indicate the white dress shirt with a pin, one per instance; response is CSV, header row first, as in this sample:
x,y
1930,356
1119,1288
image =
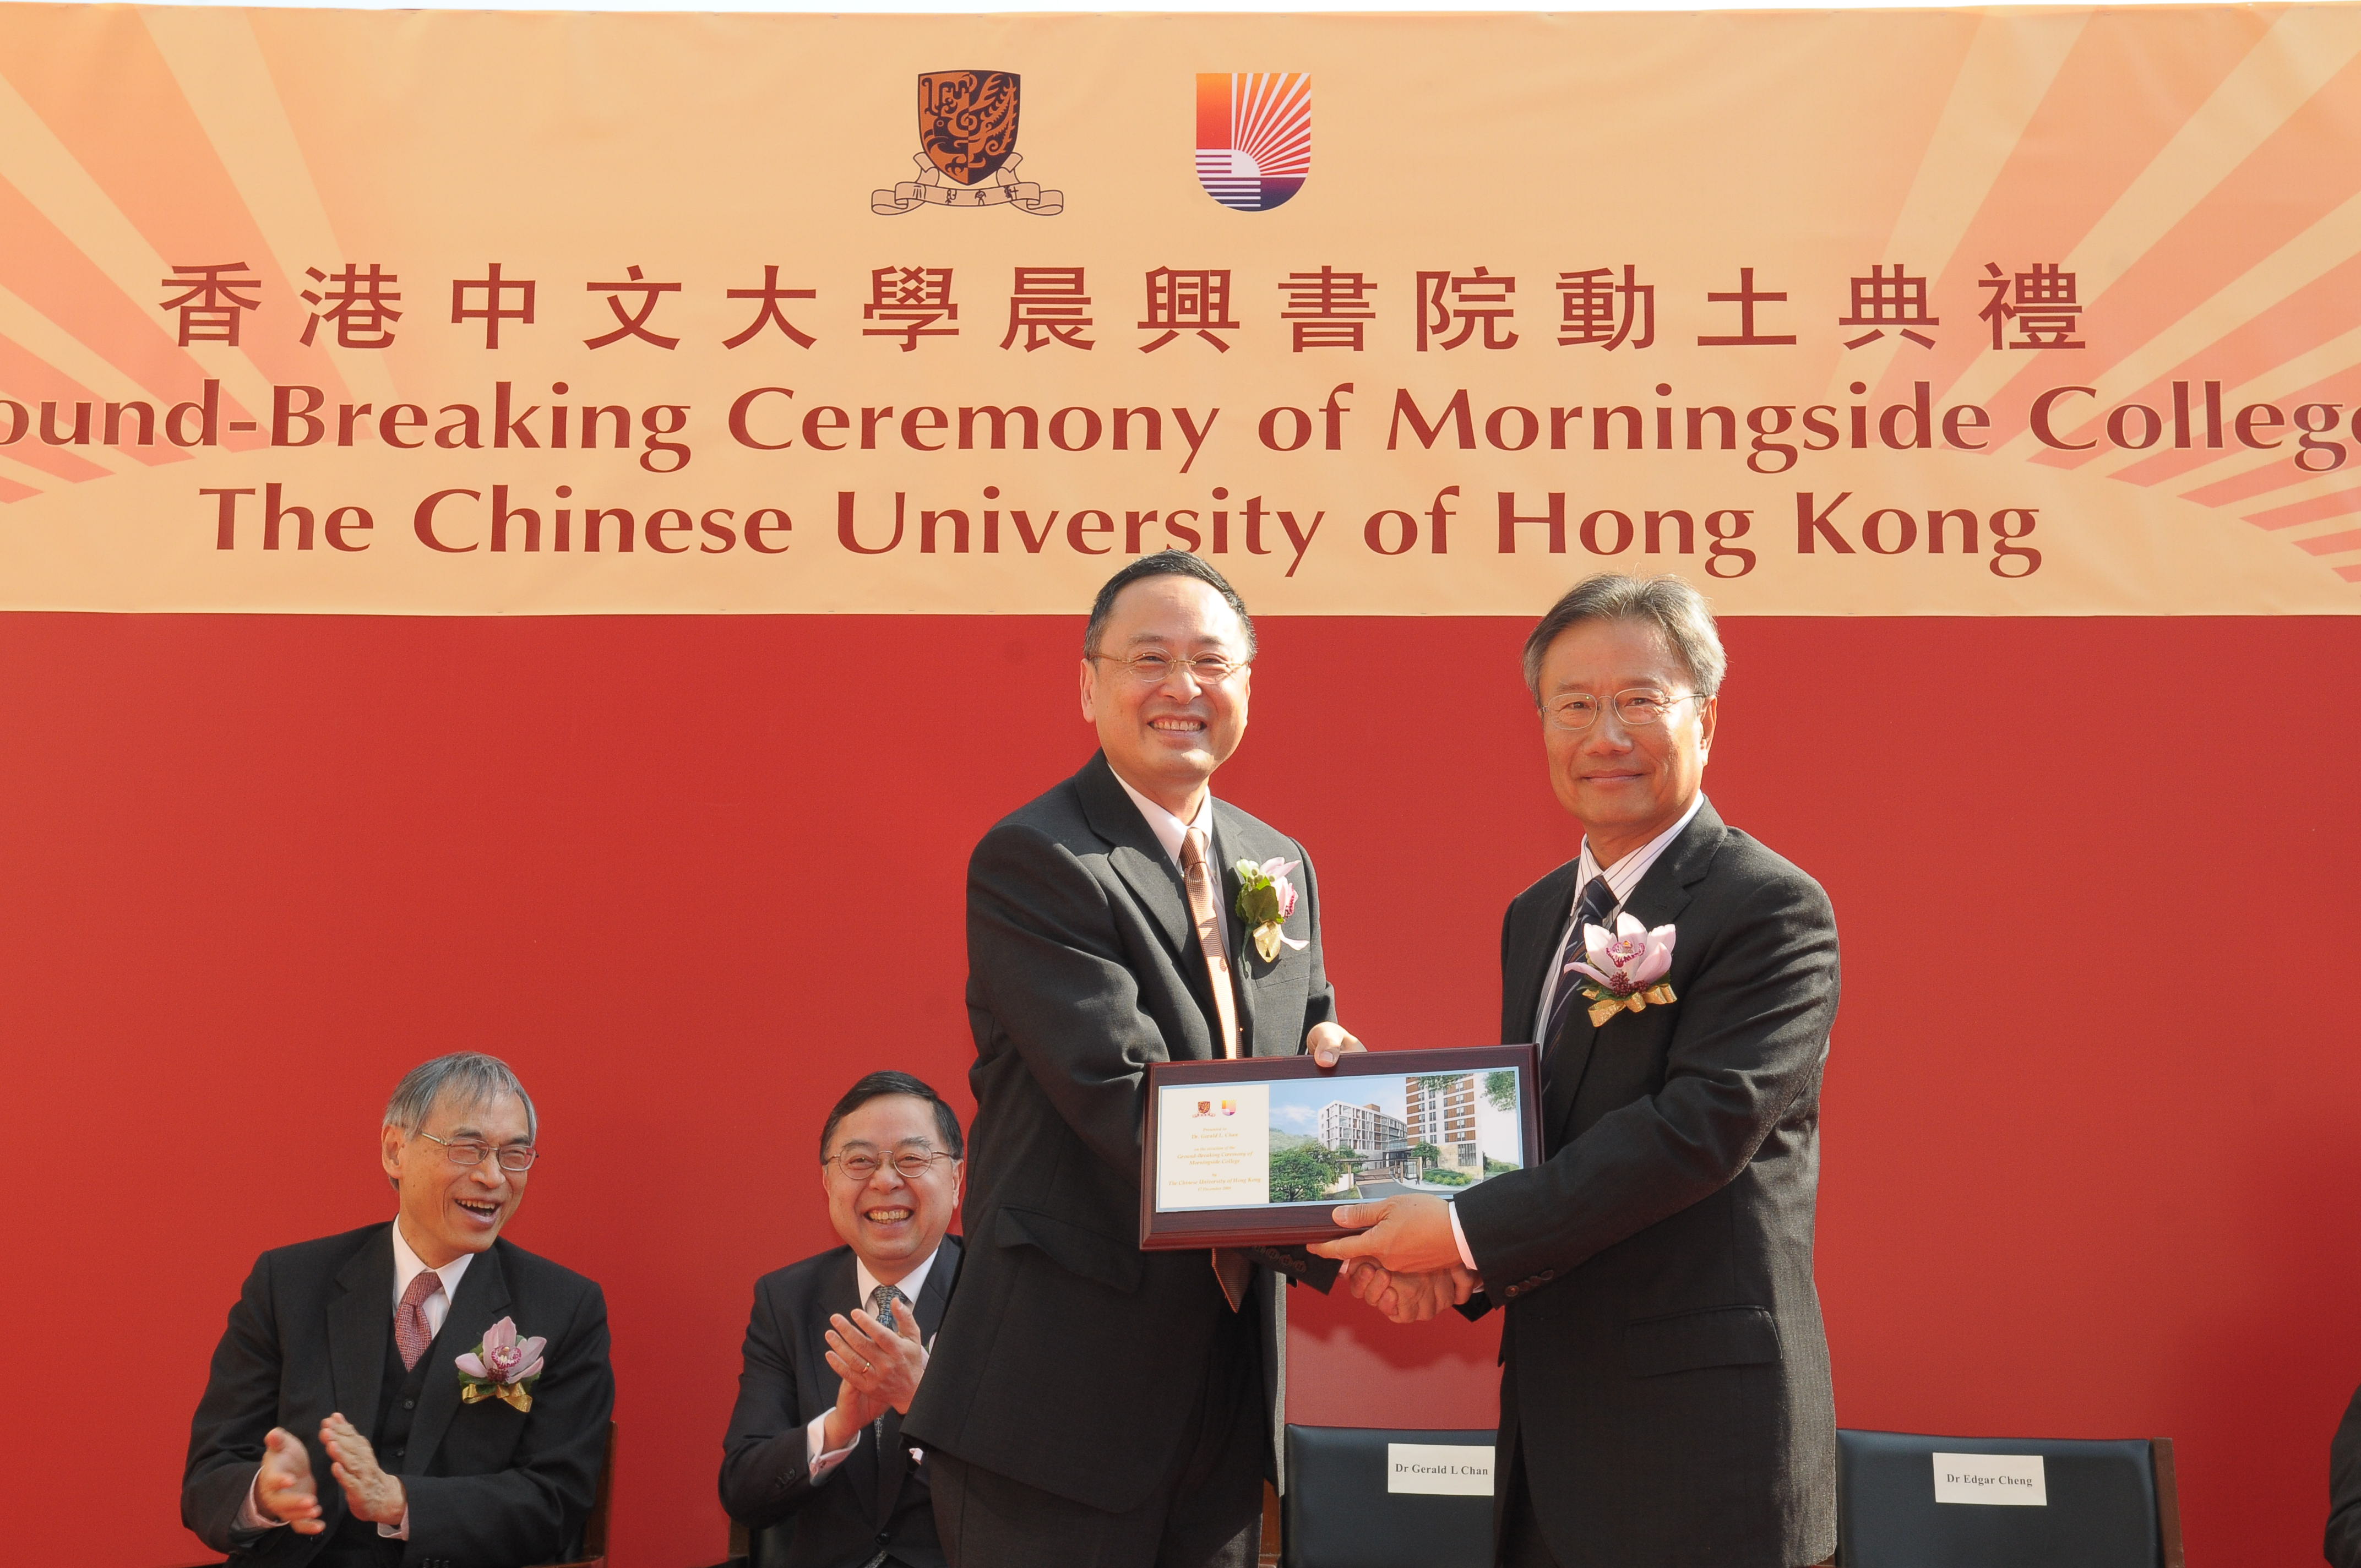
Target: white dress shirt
x,y
1621,878
820,1460
1171,830
407,1267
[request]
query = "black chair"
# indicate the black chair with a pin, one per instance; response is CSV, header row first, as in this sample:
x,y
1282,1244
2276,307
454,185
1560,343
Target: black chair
x,y
2107,1504
1344,1507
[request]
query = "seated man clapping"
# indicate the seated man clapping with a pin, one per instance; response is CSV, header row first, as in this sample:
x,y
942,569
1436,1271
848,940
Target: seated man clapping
x,y
413,1392
814,1463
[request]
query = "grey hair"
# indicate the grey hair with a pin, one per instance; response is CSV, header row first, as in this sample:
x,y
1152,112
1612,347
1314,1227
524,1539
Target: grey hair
x,y
472,1077
1668,604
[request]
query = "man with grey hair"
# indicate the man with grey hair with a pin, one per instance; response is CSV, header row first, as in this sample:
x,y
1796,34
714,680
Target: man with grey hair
x,y
417,1393
1664,1394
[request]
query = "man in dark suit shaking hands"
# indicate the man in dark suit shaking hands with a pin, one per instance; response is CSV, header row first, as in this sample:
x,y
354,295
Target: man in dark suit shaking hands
x,y
416,1393
1664,1397
1091,1405
815,1464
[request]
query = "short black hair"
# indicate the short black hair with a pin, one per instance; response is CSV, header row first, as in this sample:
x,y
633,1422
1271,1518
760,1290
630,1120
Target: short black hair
x,y
1163,563
878,1085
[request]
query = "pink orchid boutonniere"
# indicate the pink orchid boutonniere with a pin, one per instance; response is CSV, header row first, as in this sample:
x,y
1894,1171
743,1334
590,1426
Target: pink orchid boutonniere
x,y
503,1368
1626,968
1266,898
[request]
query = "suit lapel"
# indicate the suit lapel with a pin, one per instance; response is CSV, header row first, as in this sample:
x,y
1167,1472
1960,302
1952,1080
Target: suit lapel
x,y
1138,858
358,1329
1532,951
1661,894
482,1300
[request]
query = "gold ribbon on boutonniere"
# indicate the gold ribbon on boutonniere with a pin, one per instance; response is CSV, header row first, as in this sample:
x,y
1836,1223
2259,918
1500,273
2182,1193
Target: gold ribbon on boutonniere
x,y
504,1367
1607,1004
510,1393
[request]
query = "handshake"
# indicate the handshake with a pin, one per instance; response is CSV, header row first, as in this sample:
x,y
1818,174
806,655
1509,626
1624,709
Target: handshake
x,y
1405,1257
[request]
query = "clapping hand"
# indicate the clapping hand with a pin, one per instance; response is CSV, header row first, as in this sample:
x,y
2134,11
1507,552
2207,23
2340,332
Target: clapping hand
x,y
372,1494
885,1363
877,1369
283,1488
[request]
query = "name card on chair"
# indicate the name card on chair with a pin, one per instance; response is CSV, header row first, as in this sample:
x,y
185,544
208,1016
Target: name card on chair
x,y
2006,1479
1439,1469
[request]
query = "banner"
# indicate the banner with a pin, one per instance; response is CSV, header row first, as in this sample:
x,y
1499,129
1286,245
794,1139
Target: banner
x,y
1918,312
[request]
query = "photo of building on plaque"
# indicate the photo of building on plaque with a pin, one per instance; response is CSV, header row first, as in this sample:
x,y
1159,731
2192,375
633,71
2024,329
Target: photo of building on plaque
x,y
1341,1140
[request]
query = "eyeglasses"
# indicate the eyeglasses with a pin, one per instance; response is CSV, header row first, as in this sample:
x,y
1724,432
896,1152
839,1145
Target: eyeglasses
x,y
516,1158
1637,709
860,1165
1155,669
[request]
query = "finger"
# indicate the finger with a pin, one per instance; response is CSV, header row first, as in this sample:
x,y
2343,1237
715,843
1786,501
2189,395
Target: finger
x,y
1361,1216
1362,1246
306,1526
852,1369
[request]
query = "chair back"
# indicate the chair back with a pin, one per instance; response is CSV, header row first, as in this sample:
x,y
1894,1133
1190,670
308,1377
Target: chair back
x,y
1907,1501
1371,1498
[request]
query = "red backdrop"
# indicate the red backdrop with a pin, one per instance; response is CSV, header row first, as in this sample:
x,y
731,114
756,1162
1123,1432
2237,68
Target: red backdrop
x,y
2090,1138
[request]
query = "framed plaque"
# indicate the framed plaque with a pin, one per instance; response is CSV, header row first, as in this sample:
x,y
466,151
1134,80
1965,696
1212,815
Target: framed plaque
x,y
1257,1151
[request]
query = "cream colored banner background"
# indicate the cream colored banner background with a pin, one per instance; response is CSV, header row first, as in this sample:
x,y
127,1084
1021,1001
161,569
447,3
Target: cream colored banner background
x,y
2192,169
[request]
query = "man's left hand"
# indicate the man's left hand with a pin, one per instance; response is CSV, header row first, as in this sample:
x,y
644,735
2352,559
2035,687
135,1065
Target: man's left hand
x,y
885,1363
371,1493
1328,1041
1408,1234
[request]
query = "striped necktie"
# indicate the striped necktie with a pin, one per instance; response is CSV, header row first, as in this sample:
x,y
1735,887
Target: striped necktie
x,y
1597,907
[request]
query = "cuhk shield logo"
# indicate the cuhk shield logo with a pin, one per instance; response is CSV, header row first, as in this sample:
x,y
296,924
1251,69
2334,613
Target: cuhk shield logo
x,y
967,140
967,121
1253,136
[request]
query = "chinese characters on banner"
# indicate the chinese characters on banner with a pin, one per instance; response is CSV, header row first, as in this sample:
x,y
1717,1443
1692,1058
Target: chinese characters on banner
x,y
1327,308
655,347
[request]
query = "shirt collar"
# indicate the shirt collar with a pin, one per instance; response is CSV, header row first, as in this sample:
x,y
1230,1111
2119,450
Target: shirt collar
x,y
910,1285
1171,830
408,1266
1625,874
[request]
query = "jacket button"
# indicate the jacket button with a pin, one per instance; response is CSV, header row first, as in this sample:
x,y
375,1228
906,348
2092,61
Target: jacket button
x,y
410,1404
400,1452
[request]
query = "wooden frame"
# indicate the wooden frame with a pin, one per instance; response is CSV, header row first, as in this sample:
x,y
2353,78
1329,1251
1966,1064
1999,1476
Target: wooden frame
x,y
1278,1224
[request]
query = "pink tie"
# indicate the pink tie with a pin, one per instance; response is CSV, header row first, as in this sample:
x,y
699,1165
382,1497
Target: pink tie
x,y
411,1333
1205,912
1235,1274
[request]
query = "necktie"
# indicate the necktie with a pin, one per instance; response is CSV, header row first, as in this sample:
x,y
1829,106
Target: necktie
x,y
412,1333
1205,910
1230,1269
887,1427
1598,904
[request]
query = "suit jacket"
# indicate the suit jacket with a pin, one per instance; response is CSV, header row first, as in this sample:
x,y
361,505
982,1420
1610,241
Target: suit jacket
x,y
1666,1372
872,1501
1071,1359
488,1487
